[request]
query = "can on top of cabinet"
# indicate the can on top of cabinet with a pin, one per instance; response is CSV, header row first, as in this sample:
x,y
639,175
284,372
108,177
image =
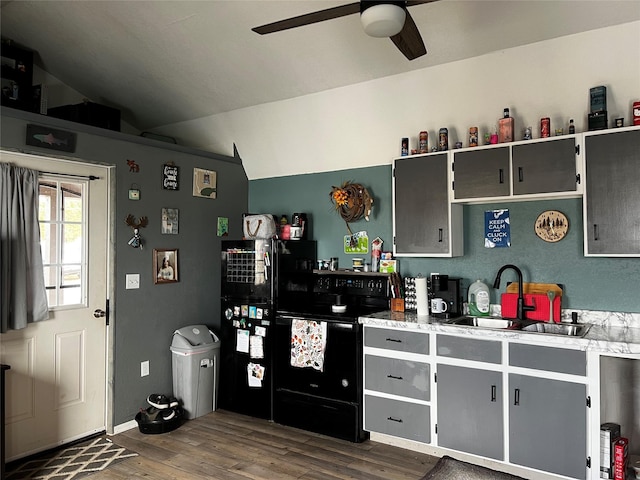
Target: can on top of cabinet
x,y
473,136
545,127
424,142
443,140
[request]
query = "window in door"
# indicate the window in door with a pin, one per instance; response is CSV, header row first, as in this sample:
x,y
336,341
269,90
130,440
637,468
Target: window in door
x,y
62,217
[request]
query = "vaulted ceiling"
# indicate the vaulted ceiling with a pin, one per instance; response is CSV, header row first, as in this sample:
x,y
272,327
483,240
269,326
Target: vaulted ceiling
x,y
162,62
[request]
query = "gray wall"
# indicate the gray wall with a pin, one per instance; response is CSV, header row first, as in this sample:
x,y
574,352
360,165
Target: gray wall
x,y
144,319
608,284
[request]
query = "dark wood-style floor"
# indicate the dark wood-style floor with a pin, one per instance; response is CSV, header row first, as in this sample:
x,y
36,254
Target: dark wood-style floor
x,y
227,446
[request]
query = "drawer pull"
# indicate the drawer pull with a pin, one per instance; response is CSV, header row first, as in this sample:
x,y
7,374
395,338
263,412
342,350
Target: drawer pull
x,y
493,393
516,397
394,377
394,340
399,420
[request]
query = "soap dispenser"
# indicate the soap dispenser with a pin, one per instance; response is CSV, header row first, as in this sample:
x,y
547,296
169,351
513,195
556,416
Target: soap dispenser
x,y
478,299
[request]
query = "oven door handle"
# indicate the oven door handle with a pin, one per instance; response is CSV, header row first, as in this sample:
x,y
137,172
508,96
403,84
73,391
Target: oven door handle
x,y
287,319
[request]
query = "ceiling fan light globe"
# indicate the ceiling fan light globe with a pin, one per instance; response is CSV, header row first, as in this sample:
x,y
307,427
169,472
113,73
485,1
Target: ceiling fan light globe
x,y
383,20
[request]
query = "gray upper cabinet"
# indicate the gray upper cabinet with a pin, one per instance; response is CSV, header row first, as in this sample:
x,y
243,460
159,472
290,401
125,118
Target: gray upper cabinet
x,y
612,196
545,167
424,222
481,173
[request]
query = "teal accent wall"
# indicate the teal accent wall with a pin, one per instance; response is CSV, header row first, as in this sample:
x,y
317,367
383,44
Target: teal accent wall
x,y
608,284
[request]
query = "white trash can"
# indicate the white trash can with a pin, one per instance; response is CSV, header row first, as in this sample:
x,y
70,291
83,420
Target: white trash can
x,y
195,362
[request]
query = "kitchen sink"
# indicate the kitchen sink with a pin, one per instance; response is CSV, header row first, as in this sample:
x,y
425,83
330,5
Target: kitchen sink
x,y
526,326
485,322
567,329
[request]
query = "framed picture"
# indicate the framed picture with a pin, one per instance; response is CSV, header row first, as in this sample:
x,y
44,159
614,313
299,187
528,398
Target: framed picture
x,y
170,221
45,137
165,265
204,183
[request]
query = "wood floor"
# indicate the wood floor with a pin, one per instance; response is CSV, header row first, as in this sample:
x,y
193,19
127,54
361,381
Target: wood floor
x,y
227,446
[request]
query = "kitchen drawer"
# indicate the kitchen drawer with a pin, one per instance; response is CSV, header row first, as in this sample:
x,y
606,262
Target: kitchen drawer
x,y
399,377
397,418
488,351
400,340
550,359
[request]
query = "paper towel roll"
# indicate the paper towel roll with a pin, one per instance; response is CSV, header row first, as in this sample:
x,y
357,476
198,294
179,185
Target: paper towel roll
x,y
422,297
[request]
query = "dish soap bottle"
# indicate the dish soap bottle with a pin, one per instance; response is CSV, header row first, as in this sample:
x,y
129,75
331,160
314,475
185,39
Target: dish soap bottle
x,y
478,299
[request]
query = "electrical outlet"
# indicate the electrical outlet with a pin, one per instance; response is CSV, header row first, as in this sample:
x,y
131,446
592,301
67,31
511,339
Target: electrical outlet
x,y
144,368
133,281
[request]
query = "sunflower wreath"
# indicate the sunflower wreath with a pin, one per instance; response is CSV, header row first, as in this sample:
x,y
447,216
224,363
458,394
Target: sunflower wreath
x,y
352,201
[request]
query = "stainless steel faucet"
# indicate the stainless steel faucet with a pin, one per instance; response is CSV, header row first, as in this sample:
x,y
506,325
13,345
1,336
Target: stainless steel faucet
x,y
521,306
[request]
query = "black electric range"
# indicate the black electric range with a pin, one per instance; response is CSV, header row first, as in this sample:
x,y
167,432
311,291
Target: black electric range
x,y
324,394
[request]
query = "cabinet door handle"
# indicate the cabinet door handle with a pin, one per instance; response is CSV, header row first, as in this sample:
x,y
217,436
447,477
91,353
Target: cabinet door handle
x,y
595,232
493,393
516,397
520,174
501,175
399,420
394,340
394,377
440,235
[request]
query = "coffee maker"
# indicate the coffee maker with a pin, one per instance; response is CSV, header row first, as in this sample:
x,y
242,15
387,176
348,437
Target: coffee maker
x,y
448,289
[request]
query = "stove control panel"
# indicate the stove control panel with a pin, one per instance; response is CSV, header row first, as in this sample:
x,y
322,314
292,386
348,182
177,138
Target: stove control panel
x,y
354,284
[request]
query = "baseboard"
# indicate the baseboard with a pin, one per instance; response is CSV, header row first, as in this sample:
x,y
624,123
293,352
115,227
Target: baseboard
x,y
123,427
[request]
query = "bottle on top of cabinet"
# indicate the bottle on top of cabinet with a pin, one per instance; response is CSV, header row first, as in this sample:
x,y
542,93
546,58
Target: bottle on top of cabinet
x,y
505,128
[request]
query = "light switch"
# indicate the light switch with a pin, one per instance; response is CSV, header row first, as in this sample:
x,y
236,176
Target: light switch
x,y
133,281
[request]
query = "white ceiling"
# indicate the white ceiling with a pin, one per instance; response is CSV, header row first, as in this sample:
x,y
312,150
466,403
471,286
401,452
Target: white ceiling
x,y
162,62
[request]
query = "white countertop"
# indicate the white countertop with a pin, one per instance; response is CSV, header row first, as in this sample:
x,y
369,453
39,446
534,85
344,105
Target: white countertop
x,y
619,337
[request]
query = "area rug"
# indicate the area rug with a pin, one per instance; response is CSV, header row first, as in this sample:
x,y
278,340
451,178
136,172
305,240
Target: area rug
x,y
74,462
449,468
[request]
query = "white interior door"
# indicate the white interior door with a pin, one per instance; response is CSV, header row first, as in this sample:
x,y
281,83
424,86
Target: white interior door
x,y
56,387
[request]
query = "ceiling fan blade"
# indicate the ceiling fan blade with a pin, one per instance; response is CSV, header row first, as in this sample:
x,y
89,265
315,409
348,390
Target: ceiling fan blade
x,y
411,3
409,41
309,18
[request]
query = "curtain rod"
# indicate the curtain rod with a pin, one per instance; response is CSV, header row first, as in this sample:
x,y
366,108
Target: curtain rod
x,y
90,177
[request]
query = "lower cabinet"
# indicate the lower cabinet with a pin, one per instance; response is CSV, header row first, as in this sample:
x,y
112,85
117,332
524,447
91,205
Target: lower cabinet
x,y
397,418
470,407
524,404
548,425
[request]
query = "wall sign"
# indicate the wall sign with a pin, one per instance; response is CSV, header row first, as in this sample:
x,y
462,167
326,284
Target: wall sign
x,y
170,180
170,221
497,228
204,183
47,137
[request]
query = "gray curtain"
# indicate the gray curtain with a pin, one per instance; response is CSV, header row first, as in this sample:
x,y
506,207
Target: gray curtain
x,y
23,297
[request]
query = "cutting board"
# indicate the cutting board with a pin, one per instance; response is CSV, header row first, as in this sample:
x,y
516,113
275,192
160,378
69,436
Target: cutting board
x,y
509,305
536,288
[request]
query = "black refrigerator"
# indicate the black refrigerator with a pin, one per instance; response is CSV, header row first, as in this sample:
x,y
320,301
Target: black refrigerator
x,y
259,277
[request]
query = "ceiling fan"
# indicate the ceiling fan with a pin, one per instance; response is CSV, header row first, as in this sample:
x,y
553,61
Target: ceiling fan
x,y
383,18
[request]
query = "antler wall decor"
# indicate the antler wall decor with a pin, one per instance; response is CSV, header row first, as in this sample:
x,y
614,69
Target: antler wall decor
x,y
136,240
